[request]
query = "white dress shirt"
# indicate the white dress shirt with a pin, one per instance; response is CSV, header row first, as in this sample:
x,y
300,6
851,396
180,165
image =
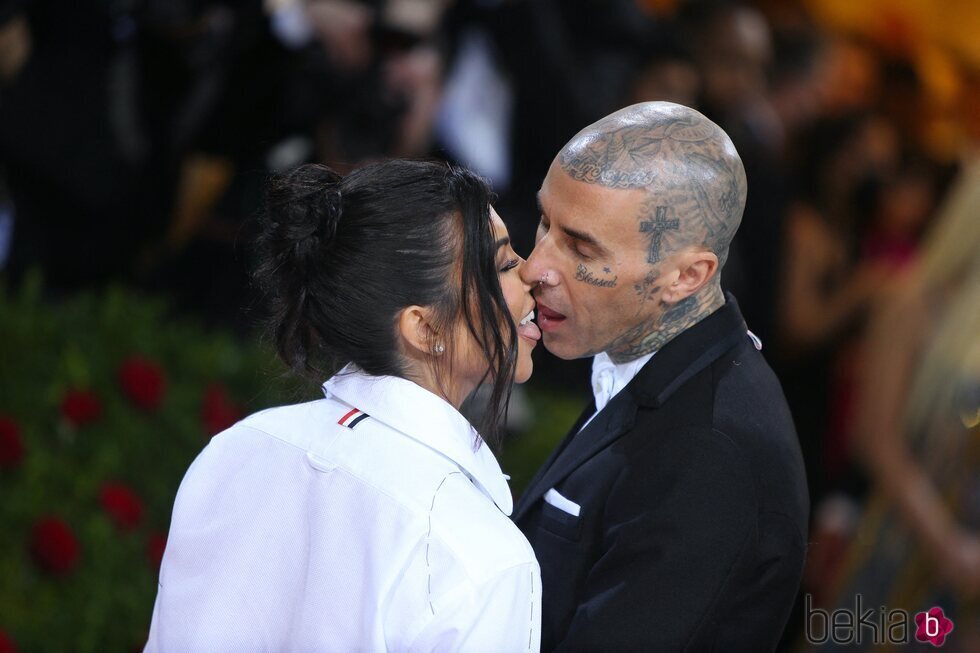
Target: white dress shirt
x,y
608,378
318,527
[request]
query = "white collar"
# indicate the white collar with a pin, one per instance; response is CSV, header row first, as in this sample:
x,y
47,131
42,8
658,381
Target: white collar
x,y
608,378
428,419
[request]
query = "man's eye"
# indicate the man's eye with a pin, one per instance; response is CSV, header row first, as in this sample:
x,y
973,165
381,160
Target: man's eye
x,y
582,255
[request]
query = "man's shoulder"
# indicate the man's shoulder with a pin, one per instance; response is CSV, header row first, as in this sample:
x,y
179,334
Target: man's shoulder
x,y
730,419
748,405
751,409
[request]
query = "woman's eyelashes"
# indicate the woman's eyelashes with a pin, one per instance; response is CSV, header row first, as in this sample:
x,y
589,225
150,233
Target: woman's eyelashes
x,y
510,264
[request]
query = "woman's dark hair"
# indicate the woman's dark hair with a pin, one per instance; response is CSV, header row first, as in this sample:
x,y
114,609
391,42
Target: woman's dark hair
x,y
338,258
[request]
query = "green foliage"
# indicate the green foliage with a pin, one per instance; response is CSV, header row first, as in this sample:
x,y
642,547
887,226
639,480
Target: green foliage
x,y
105,602
522,455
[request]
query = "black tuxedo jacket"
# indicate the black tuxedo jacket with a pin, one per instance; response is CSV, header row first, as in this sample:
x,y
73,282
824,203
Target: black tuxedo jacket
x,y
693,507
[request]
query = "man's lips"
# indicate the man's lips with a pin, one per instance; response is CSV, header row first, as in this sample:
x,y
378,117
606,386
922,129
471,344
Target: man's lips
x,y
548,319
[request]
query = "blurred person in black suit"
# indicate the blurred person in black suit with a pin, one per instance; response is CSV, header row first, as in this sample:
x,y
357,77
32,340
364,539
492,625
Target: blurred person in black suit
x,y
83,193
733,48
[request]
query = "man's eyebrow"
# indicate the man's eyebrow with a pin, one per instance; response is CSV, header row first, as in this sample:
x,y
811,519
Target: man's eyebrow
x,y
572,233
581,235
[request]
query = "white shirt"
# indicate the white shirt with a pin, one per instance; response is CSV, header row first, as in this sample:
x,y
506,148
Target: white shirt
x,y
314,528
608,378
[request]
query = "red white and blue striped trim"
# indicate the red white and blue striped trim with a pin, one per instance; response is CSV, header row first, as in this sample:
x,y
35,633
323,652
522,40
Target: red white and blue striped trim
x,y
353,418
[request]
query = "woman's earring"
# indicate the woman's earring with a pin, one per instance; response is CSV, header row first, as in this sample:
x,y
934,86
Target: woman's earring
x,y
440,348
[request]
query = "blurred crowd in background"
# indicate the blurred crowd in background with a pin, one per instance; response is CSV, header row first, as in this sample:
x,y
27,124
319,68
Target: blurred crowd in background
x,y
135,137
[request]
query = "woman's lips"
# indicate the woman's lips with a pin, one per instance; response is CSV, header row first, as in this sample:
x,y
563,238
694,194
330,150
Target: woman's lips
x,y
526,328
548,319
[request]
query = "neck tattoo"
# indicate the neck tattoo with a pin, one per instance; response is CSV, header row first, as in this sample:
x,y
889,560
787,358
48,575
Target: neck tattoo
x,y
651,335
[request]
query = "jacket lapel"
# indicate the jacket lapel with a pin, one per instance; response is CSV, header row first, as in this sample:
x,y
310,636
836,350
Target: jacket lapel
x,y
550,460
614,420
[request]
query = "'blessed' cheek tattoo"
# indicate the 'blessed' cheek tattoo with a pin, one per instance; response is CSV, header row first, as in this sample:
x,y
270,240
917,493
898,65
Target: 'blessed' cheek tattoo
x,y
585,275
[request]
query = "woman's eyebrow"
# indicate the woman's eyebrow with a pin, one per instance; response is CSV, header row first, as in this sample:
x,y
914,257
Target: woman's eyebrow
x,y
500,243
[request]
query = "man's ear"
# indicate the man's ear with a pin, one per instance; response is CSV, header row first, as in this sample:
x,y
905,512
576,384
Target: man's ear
x,y
695,268
417,334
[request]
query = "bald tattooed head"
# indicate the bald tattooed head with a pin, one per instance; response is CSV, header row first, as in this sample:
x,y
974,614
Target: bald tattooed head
x,y
686,164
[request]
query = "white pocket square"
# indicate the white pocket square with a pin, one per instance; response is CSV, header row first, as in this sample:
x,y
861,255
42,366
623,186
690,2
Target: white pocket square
x,y
560,502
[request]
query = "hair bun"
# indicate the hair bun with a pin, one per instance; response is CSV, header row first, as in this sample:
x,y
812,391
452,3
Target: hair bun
x,y
332,210
305,203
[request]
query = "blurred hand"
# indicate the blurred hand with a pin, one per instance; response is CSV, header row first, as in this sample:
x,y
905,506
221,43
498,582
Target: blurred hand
x,y
834,525
416,76
344,29
875,278
15,47
959,563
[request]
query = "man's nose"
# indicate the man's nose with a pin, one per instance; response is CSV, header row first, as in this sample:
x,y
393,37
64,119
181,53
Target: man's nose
x,y
538,268
531,270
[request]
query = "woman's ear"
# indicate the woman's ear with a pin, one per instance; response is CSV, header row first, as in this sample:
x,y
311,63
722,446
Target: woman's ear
x,y
415,328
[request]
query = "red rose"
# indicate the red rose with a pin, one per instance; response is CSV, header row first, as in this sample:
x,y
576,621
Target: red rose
x,y
54,547
218,412
6,644
155,547
122,505
142,382
81,406
11,446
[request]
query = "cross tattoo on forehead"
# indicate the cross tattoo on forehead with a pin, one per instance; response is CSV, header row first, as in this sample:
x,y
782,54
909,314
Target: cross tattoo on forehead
x,y
657,227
